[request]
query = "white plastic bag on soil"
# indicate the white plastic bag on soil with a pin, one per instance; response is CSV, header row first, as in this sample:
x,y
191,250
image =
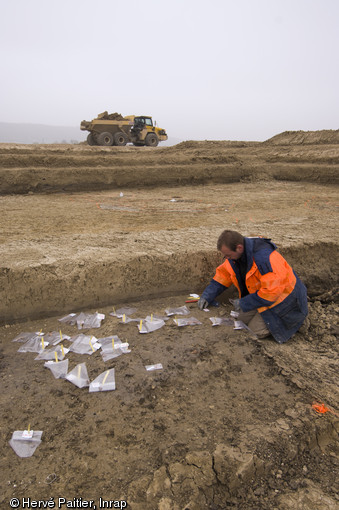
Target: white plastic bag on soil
x,y
59,369
240,325
190,321
55,337
84,320
112,347
88,320
217,321
36,344
71,319
182,310
79,376
115,354
23,444
24,337
107,340
125,319
57,352
84,344
157,316
123,311
104,382
150,324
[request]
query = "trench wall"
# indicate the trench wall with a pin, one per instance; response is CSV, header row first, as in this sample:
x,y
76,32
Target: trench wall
x,y
46,180
51,289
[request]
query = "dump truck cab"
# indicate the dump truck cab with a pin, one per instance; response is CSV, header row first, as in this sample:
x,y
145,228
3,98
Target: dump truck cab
x,y
147,121
144,132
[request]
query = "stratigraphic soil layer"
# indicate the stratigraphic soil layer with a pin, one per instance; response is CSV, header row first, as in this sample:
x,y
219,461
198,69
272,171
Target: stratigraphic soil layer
x,y
228,422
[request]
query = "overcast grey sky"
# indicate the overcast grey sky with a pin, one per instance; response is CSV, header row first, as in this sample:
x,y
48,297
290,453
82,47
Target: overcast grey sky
x,y
204,69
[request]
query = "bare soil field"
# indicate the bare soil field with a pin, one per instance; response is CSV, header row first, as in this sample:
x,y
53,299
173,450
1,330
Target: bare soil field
x,y
228,422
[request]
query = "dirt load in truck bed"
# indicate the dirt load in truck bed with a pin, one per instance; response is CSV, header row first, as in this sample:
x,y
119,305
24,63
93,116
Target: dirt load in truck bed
x,y
228,422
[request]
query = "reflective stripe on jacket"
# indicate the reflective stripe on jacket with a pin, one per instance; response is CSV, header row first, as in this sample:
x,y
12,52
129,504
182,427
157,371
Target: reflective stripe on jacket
x,y
274,289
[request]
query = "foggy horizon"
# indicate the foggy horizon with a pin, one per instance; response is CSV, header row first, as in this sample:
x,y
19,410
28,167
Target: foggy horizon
x,y
215,70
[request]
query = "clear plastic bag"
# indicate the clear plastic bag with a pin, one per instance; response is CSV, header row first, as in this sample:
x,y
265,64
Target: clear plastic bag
x,y
217,321
106,356
55,337
112,347
150,324
84,344
25,443
58,369
109,340
123,311
125,319
88,320
35,344
58,352
182,310
107,348
24,337
157,316
242,325
104,382
190,321
79,376
69,319
84,320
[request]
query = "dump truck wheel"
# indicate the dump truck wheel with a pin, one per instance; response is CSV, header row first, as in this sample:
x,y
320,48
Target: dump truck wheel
x,y
90,139
105,138
151,140
120,139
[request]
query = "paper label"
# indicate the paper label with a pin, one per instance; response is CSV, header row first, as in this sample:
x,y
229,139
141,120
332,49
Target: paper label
x,y
27,434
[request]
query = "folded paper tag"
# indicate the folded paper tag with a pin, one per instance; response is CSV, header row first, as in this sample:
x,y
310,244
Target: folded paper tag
x,y
27,434
158,366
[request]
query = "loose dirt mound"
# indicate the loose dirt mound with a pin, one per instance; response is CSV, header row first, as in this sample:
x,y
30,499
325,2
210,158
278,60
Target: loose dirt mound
x,y
110,116
326,136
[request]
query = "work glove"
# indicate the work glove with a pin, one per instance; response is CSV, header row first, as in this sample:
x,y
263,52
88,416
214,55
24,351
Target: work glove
x,y
202,303
236,304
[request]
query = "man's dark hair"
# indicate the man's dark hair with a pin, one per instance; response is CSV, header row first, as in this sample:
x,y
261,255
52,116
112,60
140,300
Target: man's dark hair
x,y
230,239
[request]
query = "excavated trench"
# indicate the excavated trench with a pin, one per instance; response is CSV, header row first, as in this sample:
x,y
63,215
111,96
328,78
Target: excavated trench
x,y
228,422
63,287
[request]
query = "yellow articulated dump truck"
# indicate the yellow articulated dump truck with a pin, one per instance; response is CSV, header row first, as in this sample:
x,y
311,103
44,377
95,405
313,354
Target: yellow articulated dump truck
x,y
114,129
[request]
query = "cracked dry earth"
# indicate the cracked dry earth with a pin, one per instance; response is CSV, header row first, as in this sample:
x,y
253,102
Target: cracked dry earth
x,y
228,422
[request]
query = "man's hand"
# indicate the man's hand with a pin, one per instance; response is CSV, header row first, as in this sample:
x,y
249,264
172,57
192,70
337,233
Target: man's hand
x,y
202,303
236,304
